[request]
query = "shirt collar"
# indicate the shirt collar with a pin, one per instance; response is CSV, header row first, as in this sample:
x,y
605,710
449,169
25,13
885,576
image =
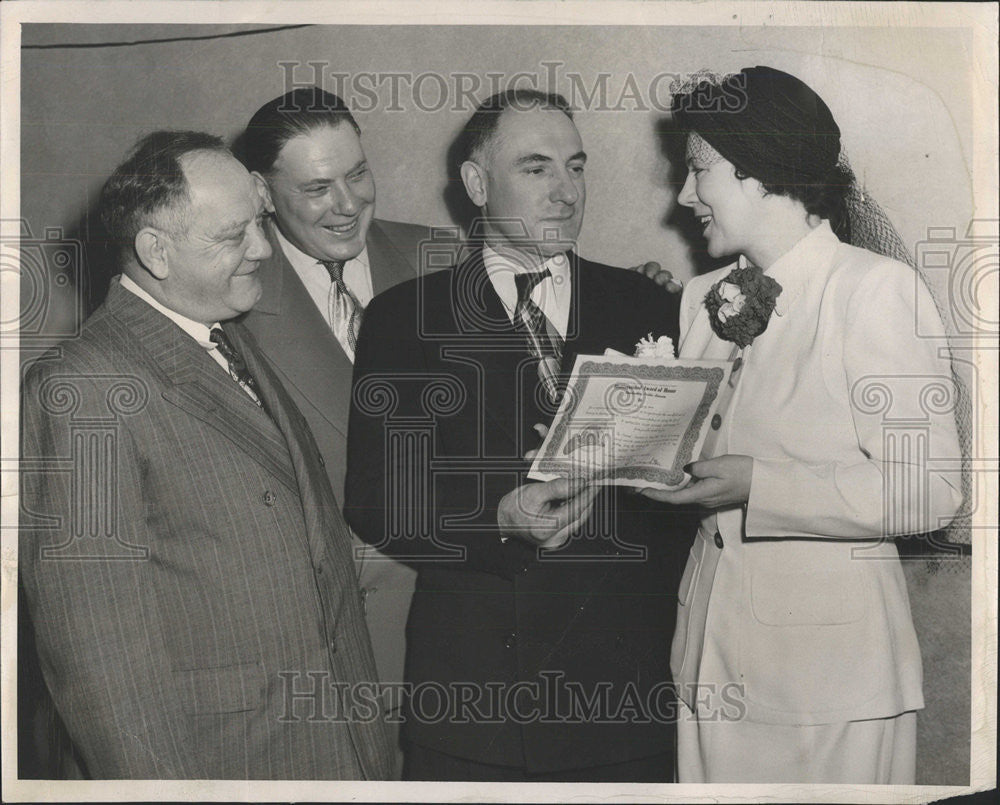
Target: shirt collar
x,y
198,331
302,262
501,270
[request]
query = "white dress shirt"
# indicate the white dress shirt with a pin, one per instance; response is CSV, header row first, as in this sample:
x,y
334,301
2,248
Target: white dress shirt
x,y
552,294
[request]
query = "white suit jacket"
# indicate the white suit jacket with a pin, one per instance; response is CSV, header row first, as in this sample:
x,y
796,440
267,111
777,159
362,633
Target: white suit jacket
x,y
792,610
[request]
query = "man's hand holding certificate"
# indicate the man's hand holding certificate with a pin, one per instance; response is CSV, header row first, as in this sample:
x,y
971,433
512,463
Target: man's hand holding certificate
x,y
632,421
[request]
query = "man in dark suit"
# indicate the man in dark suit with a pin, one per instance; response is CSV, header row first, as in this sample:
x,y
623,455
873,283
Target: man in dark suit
x,y
185,564
539,633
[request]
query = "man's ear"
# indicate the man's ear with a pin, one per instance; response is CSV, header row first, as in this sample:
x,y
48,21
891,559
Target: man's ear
x,y
264,189
474,179
151,249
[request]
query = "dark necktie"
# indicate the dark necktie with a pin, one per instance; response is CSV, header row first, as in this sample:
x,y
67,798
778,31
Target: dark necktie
x,y
237,367
344,309
544,341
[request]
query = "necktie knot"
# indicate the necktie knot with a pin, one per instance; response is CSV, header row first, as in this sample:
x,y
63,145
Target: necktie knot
x,y
335,268
218,337
527,281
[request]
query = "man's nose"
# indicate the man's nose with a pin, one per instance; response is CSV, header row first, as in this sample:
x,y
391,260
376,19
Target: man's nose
x,y
566,190
687,197
344,200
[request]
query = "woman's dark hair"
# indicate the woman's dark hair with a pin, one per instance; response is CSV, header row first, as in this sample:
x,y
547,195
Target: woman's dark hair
x,y
287,116
775,128
827,198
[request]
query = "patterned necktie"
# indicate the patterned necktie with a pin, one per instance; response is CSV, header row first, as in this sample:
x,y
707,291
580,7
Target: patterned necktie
x,y
344,309
237,367
545,343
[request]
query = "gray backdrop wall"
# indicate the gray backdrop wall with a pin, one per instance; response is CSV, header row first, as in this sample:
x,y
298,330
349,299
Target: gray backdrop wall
x,y
902,98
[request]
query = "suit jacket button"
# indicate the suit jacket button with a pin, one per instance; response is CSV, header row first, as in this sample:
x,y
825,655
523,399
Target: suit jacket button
x,y
718,540
333,645
716,422
322,463
510,640
268,498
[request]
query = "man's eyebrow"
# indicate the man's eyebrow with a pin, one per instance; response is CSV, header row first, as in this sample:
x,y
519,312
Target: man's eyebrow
x,y
324,180
230,228
534,158
529,158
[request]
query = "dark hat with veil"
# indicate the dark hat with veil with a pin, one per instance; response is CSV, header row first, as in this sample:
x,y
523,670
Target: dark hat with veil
x,y
768,124
772,126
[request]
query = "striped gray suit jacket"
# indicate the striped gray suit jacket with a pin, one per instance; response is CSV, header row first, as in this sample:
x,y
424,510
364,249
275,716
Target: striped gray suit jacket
x,y
186,567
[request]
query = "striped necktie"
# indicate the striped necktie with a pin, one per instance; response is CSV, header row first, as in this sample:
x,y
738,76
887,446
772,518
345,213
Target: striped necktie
x,y
544,342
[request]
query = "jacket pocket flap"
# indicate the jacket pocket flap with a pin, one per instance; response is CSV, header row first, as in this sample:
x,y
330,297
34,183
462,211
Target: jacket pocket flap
x,y
225,689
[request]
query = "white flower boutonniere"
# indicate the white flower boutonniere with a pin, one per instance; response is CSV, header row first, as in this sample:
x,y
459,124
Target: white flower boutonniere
x,y
661,348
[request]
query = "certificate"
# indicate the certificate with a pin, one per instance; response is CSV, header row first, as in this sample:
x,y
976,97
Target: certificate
x,y
631,421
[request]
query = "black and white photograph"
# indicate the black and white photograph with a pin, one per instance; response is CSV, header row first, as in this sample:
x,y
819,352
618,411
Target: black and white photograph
x,y
478,401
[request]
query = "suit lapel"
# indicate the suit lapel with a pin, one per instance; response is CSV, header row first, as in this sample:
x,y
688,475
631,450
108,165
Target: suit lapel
x,y
196,384
702,342
319,506
299,343
587,331
387,264
481,319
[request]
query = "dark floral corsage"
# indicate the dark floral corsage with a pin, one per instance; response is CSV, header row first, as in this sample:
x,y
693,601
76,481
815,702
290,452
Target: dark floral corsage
x,y
740,304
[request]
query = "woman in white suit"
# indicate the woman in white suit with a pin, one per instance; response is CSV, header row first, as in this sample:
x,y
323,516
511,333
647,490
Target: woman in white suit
x,y
795,655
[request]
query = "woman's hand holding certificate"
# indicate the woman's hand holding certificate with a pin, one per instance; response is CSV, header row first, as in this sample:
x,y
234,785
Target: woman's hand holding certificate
x,y
716,483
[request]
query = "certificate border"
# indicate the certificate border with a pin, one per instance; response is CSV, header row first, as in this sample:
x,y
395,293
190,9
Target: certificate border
x,y
576,389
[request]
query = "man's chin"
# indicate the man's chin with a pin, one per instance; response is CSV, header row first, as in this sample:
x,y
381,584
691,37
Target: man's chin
x,y
341,250
556,240
244,298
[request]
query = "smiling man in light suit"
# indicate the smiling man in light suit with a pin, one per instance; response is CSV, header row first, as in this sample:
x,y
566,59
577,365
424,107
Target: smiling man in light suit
x,y
188,572
329,257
